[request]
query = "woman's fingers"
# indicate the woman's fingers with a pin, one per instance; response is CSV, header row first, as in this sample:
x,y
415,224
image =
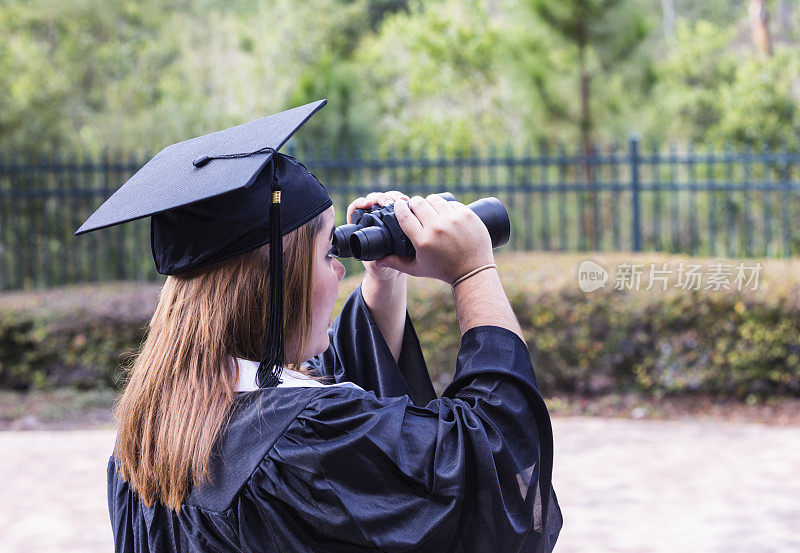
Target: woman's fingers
x,y
423,210
384,198
396,196
407,220
403,264
441,205
358,203
380,198
375,198
364,202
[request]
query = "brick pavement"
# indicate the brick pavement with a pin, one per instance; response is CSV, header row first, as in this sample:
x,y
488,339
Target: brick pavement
x,y
624,486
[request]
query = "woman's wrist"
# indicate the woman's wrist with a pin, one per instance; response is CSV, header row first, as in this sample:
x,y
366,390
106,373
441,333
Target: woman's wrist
x,y
386,301
385,295
481,301
385,285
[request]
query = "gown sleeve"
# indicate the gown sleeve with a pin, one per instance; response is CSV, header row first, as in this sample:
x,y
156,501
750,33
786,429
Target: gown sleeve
x,y
468,472
358,353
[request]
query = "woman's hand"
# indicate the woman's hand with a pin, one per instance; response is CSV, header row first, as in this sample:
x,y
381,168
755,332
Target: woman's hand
x,y
450,241
376,269
449,238
384,288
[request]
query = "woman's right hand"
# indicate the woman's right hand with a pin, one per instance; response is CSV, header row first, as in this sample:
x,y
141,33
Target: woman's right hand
x,y
449,238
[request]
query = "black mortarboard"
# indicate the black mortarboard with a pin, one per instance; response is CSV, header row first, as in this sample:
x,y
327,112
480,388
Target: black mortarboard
x,y
221,195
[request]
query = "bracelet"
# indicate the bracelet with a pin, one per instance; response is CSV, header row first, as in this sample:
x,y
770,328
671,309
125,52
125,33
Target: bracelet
x,y
473,272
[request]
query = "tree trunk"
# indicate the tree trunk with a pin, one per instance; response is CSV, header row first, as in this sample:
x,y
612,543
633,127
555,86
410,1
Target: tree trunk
x,y
785,18
668,18
586,144
586,111
759,24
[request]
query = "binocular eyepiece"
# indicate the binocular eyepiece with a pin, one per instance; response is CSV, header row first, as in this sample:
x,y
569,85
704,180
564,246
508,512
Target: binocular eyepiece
x,y
375,233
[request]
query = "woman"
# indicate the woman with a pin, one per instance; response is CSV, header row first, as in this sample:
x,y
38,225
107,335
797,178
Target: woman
x,y
209,459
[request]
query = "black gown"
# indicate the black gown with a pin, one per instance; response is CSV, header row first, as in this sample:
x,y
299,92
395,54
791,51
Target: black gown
x,y
388,468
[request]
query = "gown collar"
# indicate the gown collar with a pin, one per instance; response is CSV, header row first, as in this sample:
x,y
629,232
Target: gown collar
x,y
289,378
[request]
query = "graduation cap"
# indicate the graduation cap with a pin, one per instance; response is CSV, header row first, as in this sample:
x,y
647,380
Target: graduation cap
x,y
221,195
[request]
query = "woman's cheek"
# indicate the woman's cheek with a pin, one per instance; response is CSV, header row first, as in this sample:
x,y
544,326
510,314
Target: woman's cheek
x,y
334,281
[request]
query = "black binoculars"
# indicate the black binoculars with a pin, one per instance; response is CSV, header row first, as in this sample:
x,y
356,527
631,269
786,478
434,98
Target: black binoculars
x,y
375,233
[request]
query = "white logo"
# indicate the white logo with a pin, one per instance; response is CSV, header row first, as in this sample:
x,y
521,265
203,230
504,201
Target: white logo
x,y
591,276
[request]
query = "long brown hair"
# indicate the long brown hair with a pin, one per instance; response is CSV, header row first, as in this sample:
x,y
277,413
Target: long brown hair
x,y
181,385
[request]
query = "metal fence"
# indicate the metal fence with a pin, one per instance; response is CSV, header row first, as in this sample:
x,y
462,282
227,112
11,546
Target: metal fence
x,y
698,201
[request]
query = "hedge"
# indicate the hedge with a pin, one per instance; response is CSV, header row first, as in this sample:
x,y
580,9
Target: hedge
x,y
727,343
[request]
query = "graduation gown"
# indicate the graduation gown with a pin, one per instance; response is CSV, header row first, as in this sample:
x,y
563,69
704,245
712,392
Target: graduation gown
x,y
385,468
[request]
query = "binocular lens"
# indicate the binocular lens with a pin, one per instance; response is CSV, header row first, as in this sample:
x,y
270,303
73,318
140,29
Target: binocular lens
x,y
494,215
341,240
370,243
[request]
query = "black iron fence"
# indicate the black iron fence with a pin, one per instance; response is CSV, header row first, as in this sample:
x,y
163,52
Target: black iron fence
x,y
698,201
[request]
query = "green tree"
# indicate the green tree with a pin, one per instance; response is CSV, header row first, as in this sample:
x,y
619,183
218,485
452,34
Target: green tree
x,y
89,75
125,75
434,75
713,90
604,35
723,13
345,125
64,60
758,108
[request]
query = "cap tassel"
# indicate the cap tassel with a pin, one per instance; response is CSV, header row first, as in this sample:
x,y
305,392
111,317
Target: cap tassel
x,y
271,366
202,160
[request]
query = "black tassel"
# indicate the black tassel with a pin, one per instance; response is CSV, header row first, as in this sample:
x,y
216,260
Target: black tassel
x,y
271,366
203,160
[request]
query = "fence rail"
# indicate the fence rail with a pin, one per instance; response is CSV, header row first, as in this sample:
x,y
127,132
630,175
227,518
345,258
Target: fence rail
x,y
695,201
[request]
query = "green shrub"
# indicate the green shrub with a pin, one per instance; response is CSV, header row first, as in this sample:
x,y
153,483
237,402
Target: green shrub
x,y
731,343
72,337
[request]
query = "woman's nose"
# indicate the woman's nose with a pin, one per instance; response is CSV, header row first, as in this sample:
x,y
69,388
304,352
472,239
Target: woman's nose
x,y
340,269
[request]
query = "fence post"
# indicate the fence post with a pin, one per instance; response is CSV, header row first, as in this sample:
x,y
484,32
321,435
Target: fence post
x,y
635,194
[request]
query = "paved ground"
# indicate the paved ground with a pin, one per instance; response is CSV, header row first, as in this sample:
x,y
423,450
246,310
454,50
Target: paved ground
x,y
53,491
661,486
624,486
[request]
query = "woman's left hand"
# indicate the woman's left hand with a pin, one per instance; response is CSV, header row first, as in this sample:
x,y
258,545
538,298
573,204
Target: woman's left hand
x,y
375,269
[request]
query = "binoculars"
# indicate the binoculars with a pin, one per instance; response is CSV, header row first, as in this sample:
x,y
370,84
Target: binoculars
x,y
375,233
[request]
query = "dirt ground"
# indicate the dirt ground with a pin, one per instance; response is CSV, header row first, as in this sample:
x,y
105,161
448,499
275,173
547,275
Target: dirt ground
x,y
625,485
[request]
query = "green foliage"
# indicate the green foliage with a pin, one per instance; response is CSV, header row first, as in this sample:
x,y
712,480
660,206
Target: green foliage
x,y
40,349
345,123
732,344
758,108
123,75
433,73
133,76
72,337
710,91
613,29
77,73
599,37
722,12
720,343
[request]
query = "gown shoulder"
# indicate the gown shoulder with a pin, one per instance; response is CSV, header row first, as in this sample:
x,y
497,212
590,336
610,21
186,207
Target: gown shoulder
x,y
352,471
